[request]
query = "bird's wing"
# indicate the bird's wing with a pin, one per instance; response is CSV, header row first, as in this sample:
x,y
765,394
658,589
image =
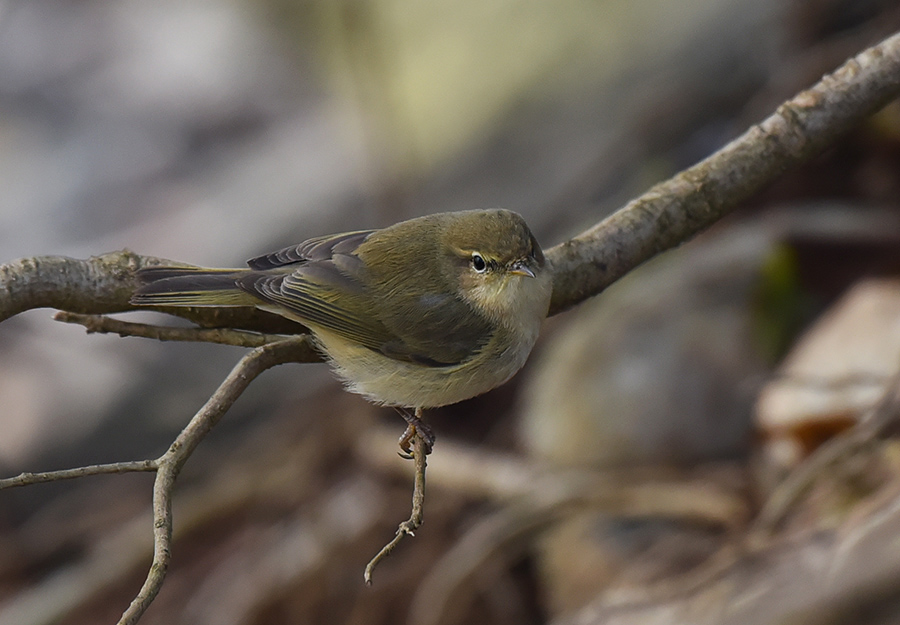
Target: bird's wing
x,y
324,282
320,281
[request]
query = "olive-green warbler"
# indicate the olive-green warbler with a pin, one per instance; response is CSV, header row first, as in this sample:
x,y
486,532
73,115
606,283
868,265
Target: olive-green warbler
x,y
424,313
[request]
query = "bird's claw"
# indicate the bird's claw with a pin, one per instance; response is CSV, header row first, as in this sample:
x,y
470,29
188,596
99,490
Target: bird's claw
x,y
414,427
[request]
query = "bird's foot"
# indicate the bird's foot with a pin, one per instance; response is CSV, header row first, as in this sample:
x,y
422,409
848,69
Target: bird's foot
x,y
414,426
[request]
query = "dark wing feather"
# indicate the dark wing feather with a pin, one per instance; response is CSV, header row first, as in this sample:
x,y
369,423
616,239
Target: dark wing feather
x,y
318,292
326,271
318,248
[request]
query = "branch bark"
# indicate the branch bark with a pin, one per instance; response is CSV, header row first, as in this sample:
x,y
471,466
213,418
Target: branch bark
x,y
104,284
673,211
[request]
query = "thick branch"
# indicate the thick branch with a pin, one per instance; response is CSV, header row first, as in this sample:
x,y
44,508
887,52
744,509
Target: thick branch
x,y
675,210
101,284
669,214
104,284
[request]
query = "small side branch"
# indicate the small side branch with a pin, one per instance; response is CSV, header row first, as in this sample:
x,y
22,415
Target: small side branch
x,y
102,324
27,479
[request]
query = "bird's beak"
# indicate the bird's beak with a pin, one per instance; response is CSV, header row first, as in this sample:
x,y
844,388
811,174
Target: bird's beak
x,y
519,268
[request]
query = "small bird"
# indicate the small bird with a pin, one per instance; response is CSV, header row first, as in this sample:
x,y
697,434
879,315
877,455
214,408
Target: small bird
x,y
425,313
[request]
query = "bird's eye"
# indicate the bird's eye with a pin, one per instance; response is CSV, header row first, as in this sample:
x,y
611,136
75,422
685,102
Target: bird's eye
x,y
478,263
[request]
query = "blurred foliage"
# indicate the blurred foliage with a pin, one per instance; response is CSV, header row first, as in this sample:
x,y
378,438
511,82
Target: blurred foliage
x,y
435,76
781,306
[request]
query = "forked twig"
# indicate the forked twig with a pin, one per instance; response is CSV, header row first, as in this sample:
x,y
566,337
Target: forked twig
x,y
409,526
171,462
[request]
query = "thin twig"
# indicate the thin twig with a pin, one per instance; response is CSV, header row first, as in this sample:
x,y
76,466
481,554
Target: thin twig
x,y
409,526
224,336
170,463
27,479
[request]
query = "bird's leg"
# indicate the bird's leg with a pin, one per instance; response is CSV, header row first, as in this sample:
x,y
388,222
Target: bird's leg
x,y
414,425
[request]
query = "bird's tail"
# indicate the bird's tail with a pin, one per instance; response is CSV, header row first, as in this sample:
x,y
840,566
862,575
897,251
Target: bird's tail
x,y
190,286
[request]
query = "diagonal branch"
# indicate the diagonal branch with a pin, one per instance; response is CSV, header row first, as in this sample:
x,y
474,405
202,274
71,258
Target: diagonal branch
x,y
674,211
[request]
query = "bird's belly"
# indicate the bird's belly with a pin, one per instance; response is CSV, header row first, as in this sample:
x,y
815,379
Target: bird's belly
x,y
393,382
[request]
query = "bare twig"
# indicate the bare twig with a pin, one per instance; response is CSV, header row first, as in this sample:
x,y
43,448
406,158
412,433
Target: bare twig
x,y
409,526
171,462
169,465
481,473
533,497
27,479
223,336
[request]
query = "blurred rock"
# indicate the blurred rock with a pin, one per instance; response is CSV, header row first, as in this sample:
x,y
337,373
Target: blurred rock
x,y
664,366
661,368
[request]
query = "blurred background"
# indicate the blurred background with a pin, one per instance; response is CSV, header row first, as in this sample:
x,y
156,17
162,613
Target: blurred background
x,y
210,131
